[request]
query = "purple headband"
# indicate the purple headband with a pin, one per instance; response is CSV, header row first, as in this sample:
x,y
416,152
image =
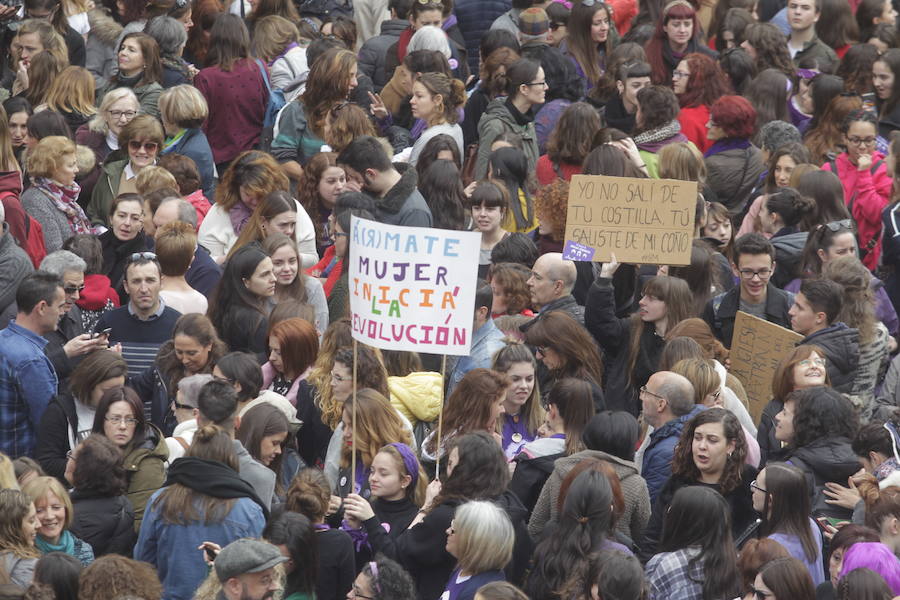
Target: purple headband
x,y
409,461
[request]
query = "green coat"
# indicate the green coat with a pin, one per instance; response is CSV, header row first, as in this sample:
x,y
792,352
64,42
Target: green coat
x,y
145,467
105,191
147,95
495,121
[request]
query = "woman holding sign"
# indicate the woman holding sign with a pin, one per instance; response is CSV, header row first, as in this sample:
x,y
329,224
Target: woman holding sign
x,y
632,345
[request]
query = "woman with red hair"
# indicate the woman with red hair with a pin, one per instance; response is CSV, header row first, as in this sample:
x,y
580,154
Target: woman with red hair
x,y
698,81
677,35
733,164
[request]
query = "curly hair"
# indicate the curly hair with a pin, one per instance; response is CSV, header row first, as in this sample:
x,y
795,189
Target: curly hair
x,y
468,408
113,577
309,495
551,205
683,465
658,105
337,336
770,46
512,278
377,424
855,67
346,121
370,373
493,71
572,138
858,308
308,188
706,83
389,580
327,84
15,507
821,412
481,472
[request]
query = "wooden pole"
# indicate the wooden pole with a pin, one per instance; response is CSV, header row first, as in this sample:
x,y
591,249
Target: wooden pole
x,y
353,423
437,448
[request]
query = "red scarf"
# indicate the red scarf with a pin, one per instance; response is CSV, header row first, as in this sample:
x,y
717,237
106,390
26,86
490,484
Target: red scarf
x,y
403,43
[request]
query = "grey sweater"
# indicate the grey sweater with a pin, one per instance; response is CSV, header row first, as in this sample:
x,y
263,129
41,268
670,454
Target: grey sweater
x,y
54,222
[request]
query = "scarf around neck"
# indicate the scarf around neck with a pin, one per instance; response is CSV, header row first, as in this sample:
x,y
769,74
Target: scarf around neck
x,y
65,199
659,134
66,544
239,214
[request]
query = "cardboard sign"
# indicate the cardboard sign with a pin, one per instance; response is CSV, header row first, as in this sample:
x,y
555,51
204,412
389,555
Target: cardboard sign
x,y
756,349
641,221
412,288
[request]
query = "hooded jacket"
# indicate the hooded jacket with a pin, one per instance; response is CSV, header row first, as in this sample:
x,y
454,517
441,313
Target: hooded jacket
x,y
733,173
828,459
496,120
841,346
145,466
403,204
534,464
632,521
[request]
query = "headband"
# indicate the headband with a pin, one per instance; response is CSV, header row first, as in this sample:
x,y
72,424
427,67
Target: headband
x,y
674,3
409,461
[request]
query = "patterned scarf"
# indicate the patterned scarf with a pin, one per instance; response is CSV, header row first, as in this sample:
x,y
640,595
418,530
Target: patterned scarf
x,y
65,198
659,134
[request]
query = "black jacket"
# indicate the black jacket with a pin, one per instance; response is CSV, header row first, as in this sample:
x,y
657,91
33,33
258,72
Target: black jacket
x,y
530,476
57,421
613,334
721,311
823,460
841,346
770,449
106,523
70,325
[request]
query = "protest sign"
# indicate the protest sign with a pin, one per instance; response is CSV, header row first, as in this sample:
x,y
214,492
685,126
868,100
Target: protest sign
x,y
641,221
412,288
756,349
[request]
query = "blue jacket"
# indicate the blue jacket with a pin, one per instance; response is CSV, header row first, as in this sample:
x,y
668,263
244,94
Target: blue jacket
x,y
27,384
475,18
172,548
195,146
657,464
485,343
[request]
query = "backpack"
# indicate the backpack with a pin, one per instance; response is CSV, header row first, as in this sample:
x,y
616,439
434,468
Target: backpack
x,y
33,242
273,107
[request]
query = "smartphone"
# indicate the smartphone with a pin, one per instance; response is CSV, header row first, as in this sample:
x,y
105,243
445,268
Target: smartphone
x,y
105,332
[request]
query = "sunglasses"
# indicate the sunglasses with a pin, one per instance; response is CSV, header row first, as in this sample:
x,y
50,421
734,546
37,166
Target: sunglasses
x,y
135,146
836,226
141,256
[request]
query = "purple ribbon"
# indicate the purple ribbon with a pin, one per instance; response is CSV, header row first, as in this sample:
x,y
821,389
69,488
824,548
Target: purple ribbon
x,y
359,536
409,461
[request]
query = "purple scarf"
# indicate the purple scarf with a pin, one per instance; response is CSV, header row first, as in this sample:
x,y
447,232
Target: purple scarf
x,y
726,144
239,214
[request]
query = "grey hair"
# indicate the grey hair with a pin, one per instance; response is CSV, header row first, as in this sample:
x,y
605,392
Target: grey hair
x,y
98,123
190,386
186,211
430,38
775,134
678,392
62,261
168,33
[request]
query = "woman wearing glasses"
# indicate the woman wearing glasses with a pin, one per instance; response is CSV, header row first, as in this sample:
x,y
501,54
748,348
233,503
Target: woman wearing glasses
x,y
124,241
120,418
381,579
698,81
867,185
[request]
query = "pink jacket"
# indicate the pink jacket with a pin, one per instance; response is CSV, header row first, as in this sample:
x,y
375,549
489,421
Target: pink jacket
x,y
866,194
269,373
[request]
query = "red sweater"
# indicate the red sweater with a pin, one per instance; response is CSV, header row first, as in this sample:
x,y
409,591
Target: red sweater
x,y
547,175
693,125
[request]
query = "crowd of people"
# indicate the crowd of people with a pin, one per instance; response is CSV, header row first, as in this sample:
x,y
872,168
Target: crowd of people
x,y
184,412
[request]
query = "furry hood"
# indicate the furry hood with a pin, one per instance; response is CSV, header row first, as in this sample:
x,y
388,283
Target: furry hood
x,y
104,26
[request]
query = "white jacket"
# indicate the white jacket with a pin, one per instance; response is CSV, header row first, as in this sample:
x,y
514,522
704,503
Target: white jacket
x,y
289,73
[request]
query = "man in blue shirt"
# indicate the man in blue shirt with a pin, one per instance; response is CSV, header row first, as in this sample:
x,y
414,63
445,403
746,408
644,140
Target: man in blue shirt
x,y
27,379
487,339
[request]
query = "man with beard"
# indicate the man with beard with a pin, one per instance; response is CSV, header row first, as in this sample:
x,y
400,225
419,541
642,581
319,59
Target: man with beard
x,y
246,569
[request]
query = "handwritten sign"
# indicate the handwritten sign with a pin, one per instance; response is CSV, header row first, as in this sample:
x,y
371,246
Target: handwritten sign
x,y
412,288
756,349
641,221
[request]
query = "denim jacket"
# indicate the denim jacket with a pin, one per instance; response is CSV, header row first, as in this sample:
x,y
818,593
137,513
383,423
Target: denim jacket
x,y
486,341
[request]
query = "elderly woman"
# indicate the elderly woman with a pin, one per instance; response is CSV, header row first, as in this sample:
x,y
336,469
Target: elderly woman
x,y
183,110
141,138
101,134
171,36
53,197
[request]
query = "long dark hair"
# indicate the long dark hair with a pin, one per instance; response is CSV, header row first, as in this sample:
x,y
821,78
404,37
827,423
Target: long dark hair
x,y
99,470
562,333
822,412
481,473
575,403
229,41
585,522
442,188
295,531
232,301
510,167
787,506
60,572
683,465
700,517
891,58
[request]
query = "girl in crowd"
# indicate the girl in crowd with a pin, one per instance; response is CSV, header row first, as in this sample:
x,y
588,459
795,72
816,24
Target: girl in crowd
x,y
787,217
120,418
632,345
205,501
183,109
384,579
377,424
234,86
569,144
101,513
781,165
277,41
510,167
59,432
293,345
818,423
141,138
845,537
711,453
476,404
697,557
873,556
140,70
588,42
825,188
511,294
442,188
295,536
239,305
656,125
784,578
436,99
677,34
263,430
71,94
310,495
826,138
292,283
317,191
18,529
569,409
522,411
526,87
887,91
278,212
481,538
18,110
54,513
698,81
489,204
867,186
578,357
124,239
586,525
764,42
491,85
733,163
718,228
780,496
301,125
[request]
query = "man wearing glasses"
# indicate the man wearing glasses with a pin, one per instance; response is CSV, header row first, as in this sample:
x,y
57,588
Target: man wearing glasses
x,y
754,264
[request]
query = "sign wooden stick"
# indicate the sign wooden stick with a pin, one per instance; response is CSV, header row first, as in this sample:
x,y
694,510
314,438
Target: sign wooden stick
x,y
353,423
437,448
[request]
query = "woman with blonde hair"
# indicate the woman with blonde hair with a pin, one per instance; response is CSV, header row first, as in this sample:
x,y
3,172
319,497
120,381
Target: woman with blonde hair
x,y
481,538
8,479
53,197
101,134
277,41
252,177
682,161
54,513
18,528
72,95
183,110
42,37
